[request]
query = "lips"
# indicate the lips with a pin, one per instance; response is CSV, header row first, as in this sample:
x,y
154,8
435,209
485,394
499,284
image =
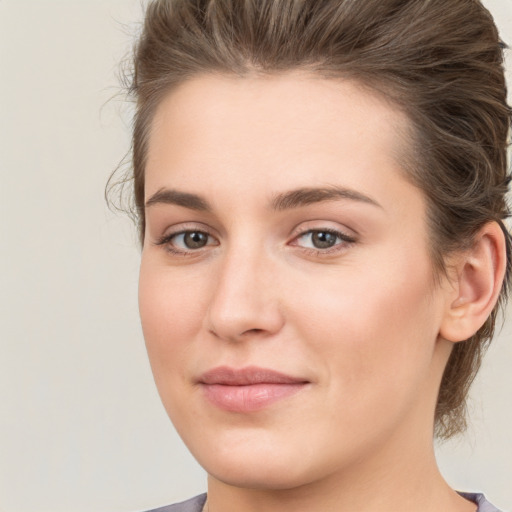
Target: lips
x,y
248,389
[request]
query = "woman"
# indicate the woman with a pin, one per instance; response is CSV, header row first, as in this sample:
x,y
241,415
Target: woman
x,y
321,193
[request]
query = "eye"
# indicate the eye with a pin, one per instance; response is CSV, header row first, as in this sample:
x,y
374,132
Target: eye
x,y
322,240
190,239
187,241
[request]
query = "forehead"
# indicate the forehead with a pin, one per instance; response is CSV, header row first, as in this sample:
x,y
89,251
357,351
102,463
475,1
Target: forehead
x,y
274,132
293,100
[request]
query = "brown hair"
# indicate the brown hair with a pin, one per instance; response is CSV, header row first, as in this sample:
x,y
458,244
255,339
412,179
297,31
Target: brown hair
x,y
440,62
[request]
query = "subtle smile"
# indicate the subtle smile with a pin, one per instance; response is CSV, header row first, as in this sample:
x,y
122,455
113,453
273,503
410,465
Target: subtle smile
x,y
248,389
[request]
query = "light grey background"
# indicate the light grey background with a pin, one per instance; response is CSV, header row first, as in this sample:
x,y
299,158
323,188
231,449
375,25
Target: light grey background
x,y
81,426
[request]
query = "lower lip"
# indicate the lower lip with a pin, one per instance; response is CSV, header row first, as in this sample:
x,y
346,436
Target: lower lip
x,y
253,397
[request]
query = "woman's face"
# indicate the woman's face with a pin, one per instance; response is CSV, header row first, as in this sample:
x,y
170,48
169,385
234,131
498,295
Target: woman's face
x,y
286,292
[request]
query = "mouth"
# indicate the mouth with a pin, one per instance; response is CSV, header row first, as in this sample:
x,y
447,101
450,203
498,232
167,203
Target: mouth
x,y
248,389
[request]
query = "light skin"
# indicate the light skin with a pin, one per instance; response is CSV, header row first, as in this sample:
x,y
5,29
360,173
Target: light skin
x,y
281,233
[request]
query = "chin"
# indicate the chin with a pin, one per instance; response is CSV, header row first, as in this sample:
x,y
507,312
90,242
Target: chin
x,y
253,463
268,475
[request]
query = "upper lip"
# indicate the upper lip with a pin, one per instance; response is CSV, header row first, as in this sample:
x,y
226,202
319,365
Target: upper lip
x,y
227,376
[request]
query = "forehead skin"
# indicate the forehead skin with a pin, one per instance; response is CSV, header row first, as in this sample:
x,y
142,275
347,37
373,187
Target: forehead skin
x,y
286,114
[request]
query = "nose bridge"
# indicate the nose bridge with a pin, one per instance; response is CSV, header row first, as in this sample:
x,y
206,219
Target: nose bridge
x,y
244,300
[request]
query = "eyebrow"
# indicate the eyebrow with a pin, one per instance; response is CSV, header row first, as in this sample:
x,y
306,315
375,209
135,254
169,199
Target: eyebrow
x,y
296,198
310,195
185,199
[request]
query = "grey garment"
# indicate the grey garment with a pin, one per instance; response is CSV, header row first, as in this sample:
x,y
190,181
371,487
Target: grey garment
x,y
196,504
193,505
479,499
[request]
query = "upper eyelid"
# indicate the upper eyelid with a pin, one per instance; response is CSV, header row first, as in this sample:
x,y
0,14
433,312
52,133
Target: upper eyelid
x,y
166,238
322,228
295,233
185,227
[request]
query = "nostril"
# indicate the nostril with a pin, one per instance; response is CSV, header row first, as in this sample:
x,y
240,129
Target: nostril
x,y
253,331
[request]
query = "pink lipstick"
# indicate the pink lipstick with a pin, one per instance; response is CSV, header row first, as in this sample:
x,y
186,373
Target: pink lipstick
x,y
248,389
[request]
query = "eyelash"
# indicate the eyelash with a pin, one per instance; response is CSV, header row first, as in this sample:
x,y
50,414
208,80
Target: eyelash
x,y
167,239
345,240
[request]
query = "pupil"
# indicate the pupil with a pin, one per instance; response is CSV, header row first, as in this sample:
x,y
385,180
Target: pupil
x,y
195,240
323,239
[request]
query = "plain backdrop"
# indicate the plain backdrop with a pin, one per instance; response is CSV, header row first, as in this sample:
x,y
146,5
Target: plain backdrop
x,y
81,425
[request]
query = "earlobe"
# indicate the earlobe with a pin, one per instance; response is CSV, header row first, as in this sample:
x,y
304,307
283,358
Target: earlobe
x,y
479,277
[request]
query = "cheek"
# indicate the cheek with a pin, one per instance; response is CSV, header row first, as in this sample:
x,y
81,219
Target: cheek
x,y
375,326
171,312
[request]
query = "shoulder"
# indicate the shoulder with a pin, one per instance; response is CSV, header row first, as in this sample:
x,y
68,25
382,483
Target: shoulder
x,y
480,500
192,505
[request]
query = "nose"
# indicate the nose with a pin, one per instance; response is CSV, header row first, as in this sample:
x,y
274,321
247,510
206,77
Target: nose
x,y
245,302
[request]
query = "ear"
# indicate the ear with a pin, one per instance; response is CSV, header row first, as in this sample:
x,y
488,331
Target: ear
x,y
479,274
